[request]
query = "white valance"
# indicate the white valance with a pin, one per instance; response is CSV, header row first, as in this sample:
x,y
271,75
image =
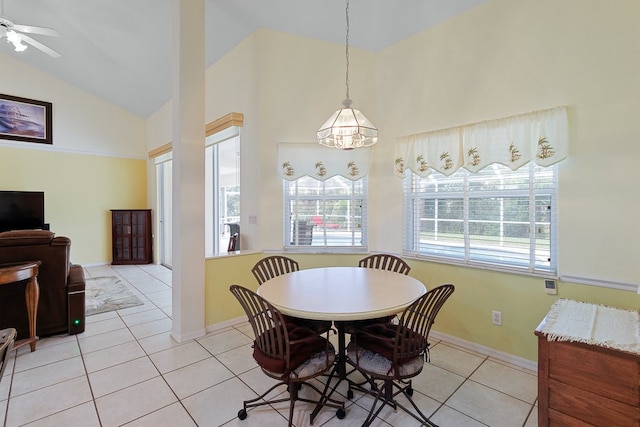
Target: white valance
x,y
322,163
540,136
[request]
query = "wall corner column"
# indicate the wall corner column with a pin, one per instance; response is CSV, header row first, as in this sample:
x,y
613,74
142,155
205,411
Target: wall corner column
x,y
188,266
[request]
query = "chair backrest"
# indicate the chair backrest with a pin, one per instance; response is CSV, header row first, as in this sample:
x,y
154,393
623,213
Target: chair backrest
x,y
416,320
273,266
233,243
7,338
268,324
385,262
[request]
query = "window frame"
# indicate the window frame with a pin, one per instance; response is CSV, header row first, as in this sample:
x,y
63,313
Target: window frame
x,y
214,198
468,256
292,195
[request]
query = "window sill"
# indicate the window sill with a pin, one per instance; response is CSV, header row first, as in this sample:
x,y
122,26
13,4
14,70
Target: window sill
x,y
482,266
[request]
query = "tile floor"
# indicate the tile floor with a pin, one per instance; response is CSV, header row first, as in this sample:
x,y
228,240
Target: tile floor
x,y
125,369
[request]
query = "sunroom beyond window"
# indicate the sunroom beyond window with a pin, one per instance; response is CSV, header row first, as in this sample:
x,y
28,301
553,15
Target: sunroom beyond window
x,y
496,217
485,193
325,197
325,215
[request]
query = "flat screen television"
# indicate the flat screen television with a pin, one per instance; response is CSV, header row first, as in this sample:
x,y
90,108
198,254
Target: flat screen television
x,y
21,210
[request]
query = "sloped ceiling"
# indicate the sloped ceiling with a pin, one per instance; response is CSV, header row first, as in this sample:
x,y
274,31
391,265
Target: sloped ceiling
x,y
120,50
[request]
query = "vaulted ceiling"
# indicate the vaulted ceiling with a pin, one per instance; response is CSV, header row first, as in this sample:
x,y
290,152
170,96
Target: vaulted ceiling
x,y
120,50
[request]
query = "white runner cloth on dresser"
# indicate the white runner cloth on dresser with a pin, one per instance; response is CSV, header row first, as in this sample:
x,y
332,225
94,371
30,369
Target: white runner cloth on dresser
x,y
594,324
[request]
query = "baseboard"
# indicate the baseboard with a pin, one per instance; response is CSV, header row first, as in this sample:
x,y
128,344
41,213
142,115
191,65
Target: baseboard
x,y
226,324
500,355
488,351
186,337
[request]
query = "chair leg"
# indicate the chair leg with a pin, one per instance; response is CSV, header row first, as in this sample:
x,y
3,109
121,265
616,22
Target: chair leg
x,y
407,390
386,396
293,394
325,398
259,401
373,412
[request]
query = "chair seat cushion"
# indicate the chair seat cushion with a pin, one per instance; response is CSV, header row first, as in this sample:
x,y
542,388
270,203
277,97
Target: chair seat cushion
x,y
317,363
299,352
378,365
319,326
381,337
351,325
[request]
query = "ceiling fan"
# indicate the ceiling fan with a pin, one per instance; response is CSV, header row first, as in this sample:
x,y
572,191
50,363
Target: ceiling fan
x,y
17,34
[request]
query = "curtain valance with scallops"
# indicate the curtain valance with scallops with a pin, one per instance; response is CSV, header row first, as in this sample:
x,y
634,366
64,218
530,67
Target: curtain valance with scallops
x,y
540,136
321,163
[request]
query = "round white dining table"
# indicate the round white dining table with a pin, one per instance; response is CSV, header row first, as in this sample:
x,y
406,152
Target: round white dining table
x,y
341,294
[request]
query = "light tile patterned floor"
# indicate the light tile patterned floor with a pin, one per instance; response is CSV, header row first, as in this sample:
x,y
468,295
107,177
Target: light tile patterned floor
x,y
125,369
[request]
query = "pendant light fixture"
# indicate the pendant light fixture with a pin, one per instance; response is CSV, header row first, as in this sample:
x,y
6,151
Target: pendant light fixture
x,y
347,128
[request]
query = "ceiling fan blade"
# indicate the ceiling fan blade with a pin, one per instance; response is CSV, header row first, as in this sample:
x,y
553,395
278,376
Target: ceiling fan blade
x,y
30,29
40,46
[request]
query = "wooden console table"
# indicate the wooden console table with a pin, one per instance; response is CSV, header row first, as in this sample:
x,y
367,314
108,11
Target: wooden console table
x,y
16,272
588,366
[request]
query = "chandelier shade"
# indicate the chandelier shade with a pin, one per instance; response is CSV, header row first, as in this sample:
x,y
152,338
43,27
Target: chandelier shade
x,y
347,128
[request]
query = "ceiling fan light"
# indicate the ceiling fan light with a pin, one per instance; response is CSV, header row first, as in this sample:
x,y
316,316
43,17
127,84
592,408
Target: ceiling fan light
x,y
13,37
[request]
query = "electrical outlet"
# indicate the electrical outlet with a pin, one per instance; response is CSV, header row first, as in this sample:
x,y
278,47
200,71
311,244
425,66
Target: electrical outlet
x,y
496,318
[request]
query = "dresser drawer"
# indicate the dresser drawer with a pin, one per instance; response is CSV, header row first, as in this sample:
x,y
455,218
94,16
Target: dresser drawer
x,y
611,374
558,419
589,406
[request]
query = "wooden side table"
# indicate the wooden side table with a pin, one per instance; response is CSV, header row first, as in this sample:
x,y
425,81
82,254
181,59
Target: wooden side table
x,y
16,272
588,366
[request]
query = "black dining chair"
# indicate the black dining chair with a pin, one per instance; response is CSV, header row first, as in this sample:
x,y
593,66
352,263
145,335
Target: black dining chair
x,y
393,354
7,338
290,354
233,243
276,265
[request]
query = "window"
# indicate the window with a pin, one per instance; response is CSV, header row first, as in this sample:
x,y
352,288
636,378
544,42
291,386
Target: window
x,y
495,218
222,189
164,173
328,215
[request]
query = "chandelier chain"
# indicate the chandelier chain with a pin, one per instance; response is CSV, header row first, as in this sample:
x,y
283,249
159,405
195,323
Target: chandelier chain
x,y
347,50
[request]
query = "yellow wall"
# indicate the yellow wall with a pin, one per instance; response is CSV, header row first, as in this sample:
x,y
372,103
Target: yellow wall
x,y
79,191
224,271
466,315
220,273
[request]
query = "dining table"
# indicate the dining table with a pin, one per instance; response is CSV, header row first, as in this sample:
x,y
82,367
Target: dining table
x,y
341,294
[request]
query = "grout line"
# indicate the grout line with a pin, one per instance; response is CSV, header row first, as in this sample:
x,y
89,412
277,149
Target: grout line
x,y
124,274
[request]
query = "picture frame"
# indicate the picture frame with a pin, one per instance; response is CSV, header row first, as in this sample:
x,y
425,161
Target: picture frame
x,y
27,120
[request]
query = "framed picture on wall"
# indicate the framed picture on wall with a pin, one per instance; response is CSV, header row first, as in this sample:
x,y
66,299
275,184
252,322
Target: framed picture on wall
x,y
23,119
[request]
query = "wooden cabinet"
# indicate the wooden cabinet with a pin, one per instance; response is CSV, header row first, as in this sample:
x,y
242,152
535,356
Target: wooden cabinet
x,y
582,384
131,236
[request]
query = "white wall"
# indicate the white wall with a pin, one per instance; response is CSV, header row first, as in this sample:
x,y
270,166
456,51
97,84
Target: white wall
x,y
286,86
81,122
498,59
504,58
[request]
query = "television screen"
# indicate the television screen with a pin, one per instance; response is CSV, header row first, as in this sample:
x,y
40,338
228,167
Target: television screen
x,y
21,210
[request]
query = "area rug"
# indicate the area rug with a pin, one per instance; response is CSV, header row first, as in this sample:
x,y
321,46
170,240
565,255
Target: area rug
x,y
108,293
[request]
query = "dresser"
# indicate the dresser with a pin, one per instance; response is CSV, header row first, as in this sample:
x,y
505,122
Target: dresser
x,y
588,366
131,236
